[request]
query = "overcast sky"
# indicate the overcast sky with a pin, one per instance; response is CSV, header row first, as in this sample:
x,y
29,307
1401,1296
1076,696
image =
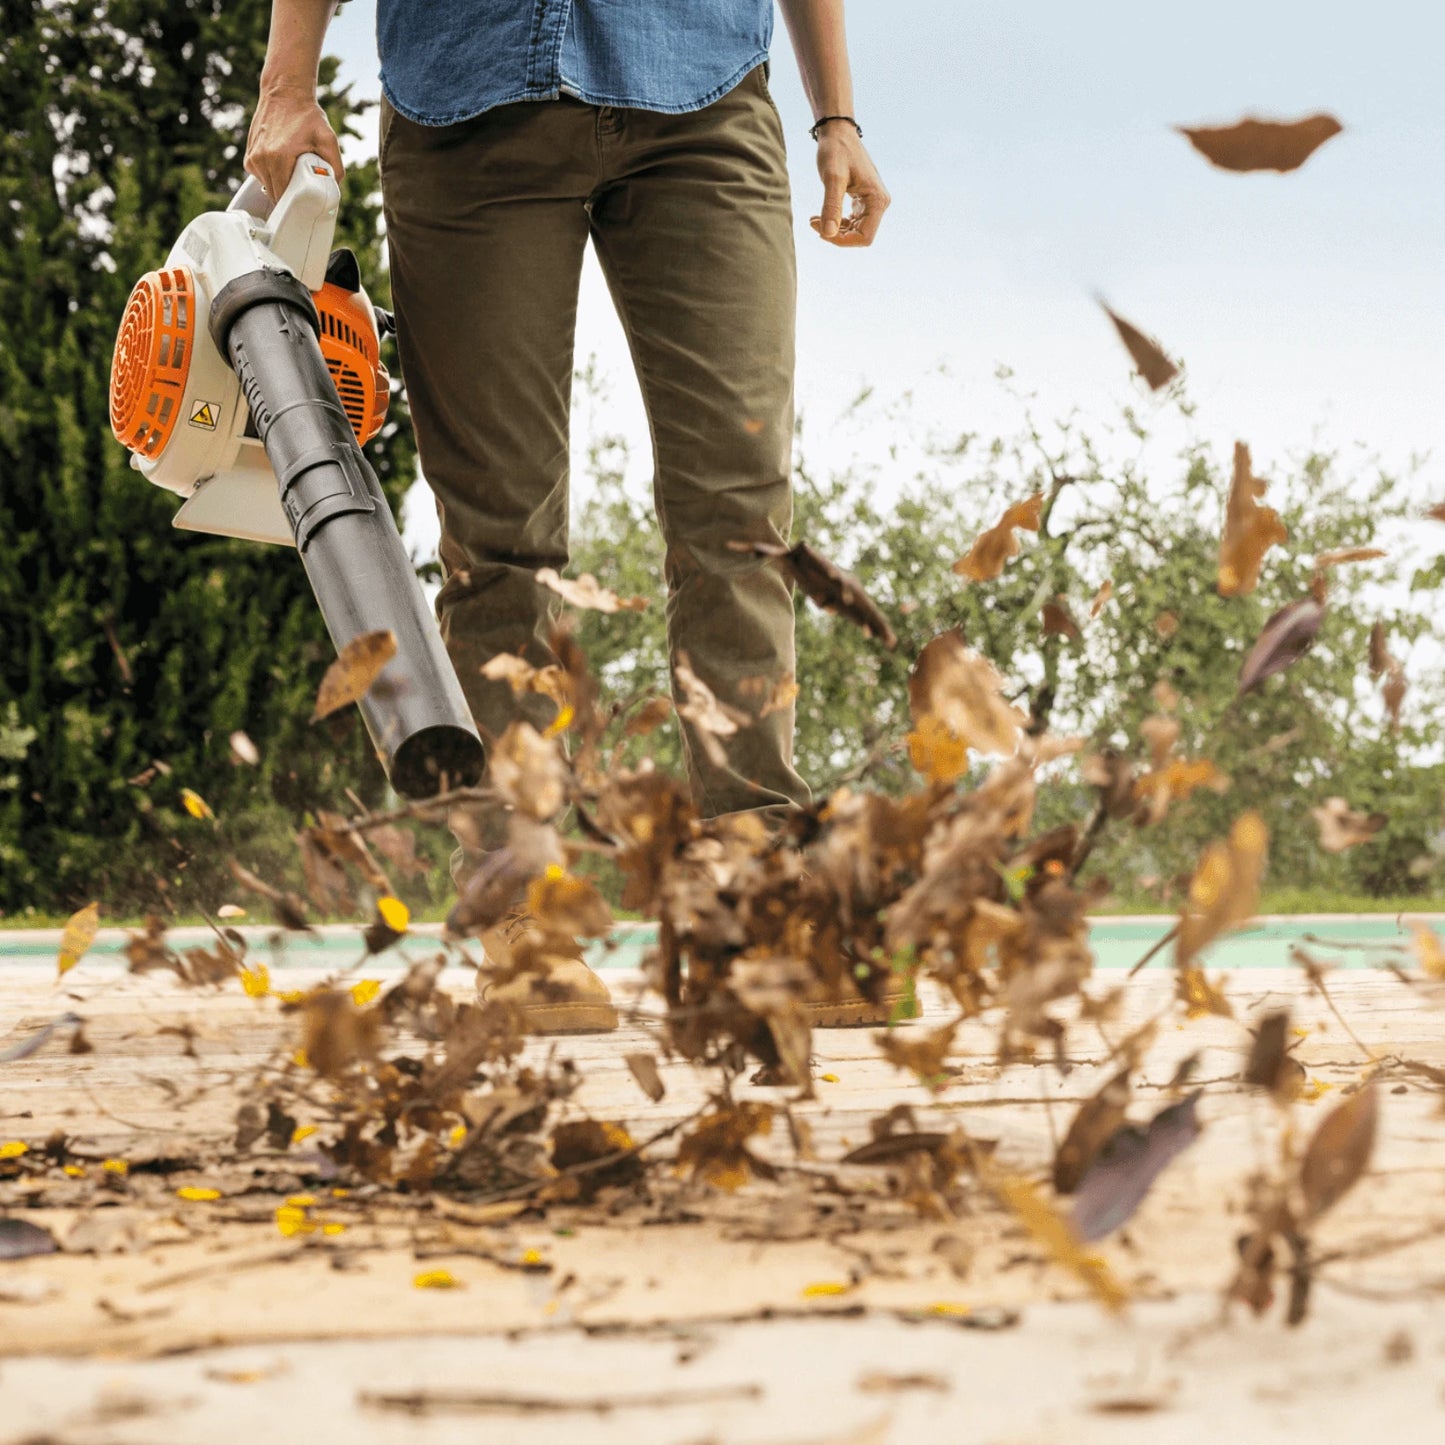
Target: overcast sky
x,y
1030,152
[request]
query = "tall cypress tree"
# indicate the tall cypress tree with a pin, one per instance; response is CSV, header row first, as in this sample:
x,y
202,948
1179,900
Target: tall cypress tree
x,y
124,643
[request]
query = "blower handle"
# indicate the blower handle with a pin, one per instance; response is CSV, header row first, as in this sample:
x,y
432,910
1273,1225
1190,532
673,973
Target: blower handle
x,y
301,221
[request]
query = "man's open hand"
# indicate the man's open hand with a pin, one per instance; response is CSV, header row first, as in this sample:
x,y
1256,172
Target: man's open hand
x,y
848,172
288,123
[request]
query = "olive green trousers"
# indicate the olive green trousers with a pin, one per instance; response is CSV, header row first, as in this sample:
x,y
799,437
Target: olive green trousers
x,y
487,222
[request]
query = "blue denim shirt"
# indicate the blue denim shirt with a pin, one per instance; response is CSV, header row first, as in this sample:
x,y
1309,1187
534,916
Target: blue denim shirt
x,y
448,60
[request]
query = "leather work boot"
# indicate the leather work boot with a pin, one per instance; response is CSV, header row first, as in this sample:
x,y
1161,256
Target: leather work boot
x,y
544,975
853,1011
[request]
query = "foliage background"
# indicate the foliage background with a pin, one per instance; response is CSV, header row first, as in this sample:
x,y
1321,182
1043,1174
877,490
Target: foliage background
x,y
132,651
126,642
1317,731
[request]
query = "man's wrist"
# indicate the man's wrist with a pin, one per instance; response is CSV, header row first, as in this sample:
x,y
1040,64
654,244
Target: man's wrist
x,y
287,82
826,123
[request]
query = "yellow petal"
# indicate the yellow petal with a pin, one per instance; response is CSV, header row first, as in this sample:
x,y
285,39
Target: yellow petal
x,y
196,805
13,1149
198,1196
458,1136
291,1221
302,1131
333,1228
300,1059
531,1256
394,913
366,989
825,1287
829,1078
301,1201
562,721
79,933
256,981
115,1166
436,1279
75,1171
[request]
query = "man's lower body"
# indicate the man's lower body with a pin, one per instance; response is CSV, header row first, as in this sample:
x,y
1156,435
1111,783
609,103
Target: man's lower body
x,y
691,219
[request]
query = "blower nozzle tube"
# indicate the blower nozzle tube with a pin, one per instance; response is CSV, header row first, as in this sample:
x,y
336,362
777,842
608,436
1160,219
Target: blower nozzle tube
x,y
265,323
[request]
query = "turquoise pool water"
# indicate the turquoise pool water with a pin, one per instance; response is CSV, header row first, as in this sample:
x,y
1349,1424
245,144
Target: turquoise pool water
x,y
1354,941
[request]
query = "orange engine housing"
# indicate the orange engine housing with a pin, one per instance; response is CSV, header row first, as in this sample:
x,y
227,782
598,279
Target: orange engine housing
x,y
152,360
158,335
353,357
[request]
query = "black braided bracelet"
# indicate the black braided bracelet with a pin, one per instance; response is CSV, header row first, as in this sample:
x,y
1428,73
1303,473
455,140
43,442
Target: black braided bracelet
x,y
823,120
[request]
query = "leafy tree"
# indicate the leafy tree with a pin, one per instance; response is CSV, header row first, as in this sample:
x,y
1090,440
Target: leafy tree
x,y
133,651
1317,731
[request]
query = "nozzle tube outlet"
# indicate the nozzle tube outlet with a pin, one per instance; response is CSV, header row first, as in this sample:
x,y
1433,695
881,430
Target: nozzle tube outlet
x,y
265,324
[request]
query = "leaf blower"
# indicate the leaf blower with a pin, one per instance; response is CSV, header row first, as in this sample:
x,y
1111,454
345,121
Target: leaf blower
x,y
247,376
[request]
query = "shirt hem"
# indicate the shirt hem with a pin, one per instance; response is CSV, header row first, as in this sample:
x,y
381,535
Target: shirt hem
x,y
533,93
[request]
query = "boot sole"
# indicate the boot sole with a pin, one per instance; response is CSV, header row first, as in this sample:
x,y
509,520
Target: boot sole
x,y
569,1018
858,1013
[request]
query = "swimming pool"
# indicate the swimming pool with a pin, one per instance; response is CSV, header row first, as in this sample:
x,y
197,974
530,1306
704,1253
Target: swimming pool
x,y
1346,940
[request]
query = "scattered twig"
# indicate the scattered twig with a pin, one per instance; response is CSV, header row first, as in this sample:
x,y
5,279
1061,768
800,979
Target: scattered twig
x,y
430,1402
1155,949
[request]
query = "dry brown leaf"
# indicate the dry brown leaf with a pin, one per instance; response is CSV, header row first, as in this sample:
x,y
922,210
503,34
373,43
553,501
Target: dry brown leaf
x,y
827,585
1160,734
1341,827
1430,951
1174,782
528,771
522,677
649,717
1119,1180
563,903
1166,624
1341,555
643,1068
1224,891
335,1034
1380,657
992,549
1340,1151
776,695
587,593
1058,621
1051,1230
716,1151
1269,1065
962,691
1097,1120
1283,640
1393,690
355,671
1154,366
926,1055
1253,144
1101,597
1250,529
1436,513
711,718
1200,995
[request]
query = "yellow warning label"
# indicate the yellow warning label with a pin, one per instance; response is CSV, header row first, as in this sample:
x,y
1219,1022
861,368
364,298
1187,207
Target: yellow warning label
x,y
204,414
